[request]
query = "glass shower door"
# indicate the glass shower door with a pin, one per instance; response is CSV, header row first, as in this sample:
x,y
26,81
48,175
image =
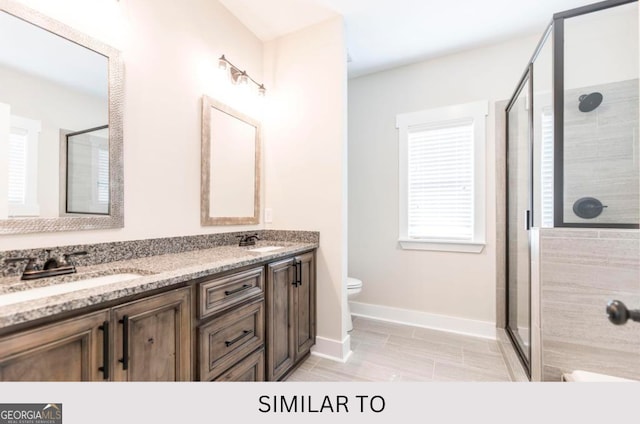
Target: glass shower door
x,y
519,219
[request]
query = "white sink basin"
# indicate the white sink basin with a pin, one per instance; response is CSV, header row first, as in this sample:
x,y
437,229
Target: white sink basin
x,y
55,289
264,249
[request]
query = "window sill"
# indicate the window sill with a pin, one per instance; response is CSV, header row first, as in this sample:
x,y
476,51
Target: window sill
x,y
442,246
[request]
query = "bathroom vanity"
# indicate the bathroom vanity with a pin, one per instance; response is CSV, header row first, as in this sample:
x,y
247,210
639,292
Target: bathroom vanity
x,y
225,313
186,308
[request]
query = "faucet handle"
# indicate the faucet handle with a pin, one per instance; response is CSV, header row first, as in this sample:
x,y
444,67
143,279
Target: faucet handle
x,y
31,264
248,239
68,256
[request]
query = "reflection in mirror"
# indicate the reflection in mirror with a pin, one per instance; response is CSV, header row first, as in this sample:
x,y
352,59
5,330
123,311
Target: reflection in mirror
x,y
230,166
88,171
60,126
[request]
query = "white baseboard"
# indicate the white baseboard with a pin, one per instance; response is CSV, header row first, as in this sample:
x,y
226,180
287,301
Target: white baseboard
x,y
334,350
484,329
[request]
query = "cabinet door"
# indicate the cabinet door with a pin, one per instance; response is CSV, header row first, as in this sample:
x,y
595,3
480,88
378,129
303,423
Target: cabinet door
x,y
304,297
152,339
71,350
280,319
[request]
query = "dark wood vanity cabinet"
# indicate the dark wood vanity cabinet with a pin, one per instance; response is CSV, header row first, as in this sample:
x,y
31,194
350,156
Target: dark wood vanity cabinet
x,y
71,350
291,314
152,338
252,325
264,327
231,328
143,340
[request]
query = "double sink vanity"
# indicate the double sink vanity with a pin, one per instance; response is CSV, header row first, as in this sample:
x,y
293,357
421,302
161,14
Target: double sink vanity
x,y
182,312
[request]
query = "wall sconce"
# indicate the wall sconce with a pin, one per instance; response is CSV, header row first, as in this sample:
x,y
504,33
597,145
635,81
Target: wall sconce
x,y
239,77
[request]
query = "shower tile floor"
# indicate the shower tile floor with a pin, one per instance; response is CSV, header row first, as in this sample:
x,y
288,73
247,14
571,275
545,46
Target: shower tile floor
x,y
383,351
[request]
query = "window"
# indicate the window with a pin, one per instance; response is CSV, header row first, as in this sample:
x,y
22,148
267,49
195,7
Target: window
x,y
17,166
103,176
547,167
87,182
23,166
442,178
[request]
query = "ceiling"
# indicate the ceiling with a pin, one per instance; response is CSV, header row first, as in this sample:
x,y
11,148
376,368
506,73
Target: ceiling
x,y
382,34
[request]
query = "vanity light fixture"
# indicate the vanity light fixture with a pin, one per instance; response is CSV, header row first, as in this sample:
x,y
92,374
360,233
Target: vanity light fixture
x,y
237,76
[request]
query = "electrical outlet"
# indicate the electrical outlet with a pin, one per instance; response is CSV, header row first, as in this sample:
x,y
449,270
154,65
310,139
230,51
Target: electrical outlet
x,y
268,215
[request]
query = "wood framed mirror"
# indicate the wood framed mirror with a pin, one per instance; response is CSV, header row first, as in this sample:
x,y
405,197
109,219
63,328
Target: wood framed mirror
x,y
230,186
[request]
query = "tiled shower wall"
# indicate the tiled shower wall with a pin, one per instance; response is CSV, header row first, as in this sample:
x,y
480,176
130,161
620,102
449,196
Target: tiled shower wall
x,y
601,153
580,271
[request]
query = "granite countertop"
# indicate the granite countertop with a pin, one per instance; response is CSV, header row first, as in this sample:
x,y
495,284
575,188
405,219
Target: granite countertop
x,y
156,272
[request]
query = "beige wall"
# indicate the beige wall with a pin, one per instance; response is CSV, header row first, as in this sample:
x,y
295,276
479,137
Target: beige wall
x,y
459,285
170,51
305,155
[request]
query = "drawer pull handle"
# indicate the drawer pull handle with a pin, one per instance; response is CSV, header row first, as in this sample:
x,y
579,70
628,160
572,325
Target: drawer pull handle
x,y
239,289
237,339
298,273
125,342
105,350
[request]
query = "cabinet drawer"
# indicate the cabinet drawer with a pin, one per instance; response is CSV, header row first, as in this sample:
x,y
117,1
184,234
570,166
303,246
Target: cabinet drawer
x,y
229,338
221,293
249,369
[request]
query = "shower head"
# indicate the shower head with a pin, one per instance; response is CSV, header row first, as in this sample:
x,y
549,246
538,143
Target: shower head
x,y
589,102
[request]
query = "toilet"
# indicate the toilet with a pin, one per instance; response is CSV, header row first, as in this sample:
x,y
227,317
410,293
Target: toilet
x,y
354,287
580,376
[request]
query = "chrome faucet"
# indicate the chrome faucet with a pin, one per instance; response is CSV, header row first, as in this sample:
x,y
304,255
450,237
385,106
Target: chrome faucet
x,y
51,267
248,239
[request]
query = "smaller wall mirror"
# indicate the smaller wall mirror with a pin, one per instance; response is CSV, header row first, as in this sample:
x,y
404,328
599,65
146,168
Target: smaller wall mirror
x,y
230,166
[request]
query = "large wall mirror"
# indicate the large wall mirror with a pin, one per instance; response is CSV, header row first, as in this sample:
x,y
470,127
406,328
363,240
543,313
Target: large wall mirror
x,y
60,126
230,166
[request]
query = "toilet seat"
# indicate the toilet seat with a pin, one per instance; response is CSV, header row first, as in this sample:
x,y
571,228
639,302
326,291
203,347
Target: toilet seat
x,y
354,287
353,283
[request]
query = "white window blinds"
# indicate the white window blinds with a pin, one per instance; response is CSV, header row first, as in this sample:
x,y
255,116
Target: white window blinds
x,y
18,166
441,181
547,167
103,176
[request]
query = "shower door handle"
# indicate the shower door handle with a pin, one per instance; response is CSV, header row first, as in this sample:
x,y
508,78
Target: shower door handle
x,y
619,314
527,220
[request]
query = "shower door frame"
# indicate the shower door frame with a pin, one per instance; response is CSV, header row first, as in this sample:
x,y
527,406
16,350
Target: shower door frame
x,y
527,77
558,113
555,29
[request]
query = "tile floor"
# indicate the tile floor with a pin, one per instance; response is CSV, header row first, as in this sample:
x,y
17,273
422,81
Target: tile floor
x,y
383,351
